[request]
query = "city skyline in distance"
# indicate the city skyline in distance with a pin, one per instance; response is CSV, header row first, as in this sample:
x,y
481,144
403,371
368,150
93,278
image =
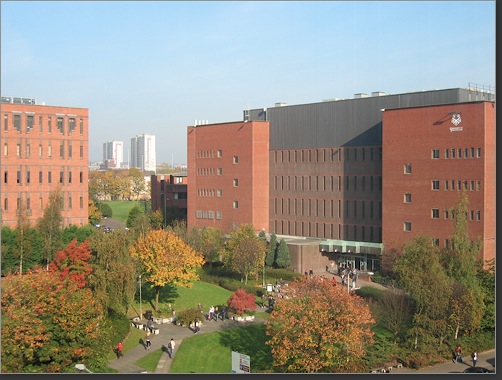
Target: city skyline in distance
x,y
157,67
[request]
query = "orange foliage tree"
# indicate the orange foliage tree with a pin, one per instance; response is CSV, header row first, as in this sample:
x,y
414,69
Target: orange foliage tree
x,y
49,324
319,327
241,301
73,262
166,259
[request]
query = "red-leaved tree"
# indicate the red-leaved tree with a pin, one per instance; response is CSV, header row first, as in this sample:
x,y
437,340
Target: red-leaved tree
x,y
240,301
73,262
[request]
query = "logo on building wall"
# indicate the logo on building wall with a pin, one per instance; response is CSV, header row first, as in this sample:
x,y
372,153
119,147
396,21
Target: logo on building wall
x,y
456,120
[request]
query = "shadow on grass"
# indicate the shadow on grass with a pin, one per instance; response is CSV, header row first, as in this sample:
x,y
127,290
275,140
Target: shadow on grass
x,y
168,294
249,340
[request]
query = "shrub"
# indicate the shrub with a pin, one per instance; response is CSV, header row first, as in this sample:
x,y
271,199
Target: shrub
x,y
187,316
240,301
106,210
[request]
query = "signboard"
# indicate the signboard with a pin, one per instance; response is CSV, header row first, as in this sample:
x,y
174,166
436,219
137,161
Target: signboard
x,y
240,363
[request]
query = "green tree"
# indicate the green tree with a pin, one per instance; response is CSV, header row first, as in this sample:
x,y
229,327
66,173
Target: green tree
x,y
486,278
423,277
137,182
283,259
271,251
395,312
48,324
95,215
50,226
113,279
248,257
22,250
318,328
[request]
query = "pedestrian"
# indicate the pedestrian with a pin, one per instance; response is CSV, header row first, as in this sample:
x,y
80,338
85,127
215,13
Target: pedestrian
x,y
458,355
170,348
211,312
355,274
263,299
334,280
148,343
311,272
196,327
216,313
474,358
224,313
119,349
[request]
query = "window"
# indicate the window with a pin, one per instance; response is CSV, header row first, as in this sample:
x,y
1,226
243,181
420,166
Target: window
x,y
407,168
478,185
71,125
5,123
49,177
218,193
218,215
446,183
49,124
61,150
452,152
81,202
81,151
472,214
236,182
446,153
219,153
60,123
236,204
69,202
407,226
478,215
6,204
49,151
453,184
28,177
472,152
17,123
61,177
81,177
446,214
69,150
40,150
435,185
18,150
466,153
435,153
459,185
29,123
220,171
28,149
407,198
28,204
69,177
435,242
478,153
459,152
435,213
465,185
5,177
81,126
40,176
40,124
236,159
5,149
19,177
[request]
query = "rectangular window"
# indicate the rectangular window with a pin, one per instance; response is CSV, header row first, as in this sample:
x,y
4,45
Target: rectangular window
x,y
81,202
70,201
69,177
466,153
446,153
407,226
69,150
446,214
452,152
472,152
40,176
49,124
446,184
18,177
218,192
478,185
236,182
40,150
5,149
28,149
435,153
465,185
81,176
407,168
435,185
236,204
18,150
219,154
5,177
40,124
71,125
49,151
472,214
472,186
459,185
28,177
407,198
61,150
5,123
236,159
478,153
81,126
49,177
61,177
459,152
435,213
29,123
453,184
220,171
17,123
60,123
478,215
81,151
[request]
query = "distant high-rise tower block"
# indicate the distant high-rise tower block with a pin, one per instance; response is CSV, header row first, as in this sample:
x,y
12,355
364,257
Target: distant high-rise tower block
x,y
113,153
143,154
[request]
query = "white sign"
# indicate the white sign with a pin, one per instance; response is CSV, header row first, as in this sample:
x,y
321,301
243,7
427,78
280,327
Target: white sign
x,y
240,363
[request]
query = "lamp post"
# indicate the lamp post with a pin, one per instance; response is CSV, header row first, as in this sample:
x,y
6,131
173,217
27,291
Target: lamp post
x,y
140,303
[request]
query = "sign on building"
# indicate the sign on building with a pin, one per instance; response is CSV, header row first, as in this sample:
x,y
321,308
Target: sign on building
x,y
240,363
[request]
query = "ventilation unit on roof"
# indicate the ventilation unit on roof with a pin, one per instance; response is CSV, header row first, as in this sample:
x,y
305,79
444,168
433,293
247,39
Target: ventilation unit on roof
x,y
360,95
378,93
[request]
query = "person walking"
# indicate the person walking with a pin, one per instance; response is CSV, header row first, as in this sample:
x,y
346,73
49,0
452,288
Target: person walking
x,y
148,343
458,355
170,348
119,349
211,312
196,327
474,358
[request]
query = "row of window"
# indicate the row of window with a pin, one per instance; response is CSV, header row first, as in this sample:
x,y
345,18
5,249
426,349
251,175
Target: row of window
x,y
328,230
28,179
458,153
327,208
30,118
450,214
328,154
208,214
40,204
327,183
458,185
27,150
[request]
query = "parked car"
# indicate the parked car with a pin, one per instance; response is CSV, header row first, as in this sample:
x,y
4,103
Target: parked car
x,y
477,370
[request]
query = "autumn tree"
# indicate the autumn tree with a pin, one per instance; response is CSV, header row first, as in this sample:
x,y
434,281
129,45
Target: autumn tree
x,y
94,213
50,225
114,278
48,324
240,301
73,262
213,243
248,257
283,259
23,247
423,277
166,259
319,328
137,182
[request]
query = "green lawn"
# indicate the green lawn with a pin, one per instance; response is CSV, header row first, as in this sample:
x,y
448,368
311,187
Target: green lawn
x,y
120,209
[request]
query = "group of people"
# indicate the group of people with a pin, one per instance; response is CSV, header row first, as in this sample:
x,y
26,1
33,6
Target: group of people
x,y
458,356
349,273
215,313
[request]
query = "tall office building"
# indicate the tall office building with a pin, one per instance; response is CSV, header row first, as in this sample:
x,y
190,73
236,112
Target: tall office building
x,y
113,154
44,149
143,153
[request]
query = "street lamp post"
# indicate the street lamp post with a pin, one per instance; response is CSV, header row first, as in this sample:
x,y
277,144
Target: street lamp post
x,y
140,303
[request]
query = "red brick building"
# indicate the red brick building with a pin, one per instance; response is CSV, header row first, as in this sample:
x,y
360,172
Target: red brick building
x,y
169,195
430,156
228,176
44,148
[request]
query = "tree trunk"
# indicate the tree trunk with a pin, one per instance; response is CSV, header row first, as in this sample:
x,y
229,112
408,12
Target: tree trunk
x,y
157,292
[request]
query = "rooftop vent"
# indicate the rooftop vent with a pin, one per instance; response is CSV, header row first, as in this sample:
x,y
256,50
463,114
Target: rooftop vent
x,y
281,104
360,95
378,93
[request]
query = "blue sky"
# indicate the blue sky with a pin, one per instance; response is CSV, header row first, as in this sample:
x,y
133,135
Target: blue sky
x,y
156,67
